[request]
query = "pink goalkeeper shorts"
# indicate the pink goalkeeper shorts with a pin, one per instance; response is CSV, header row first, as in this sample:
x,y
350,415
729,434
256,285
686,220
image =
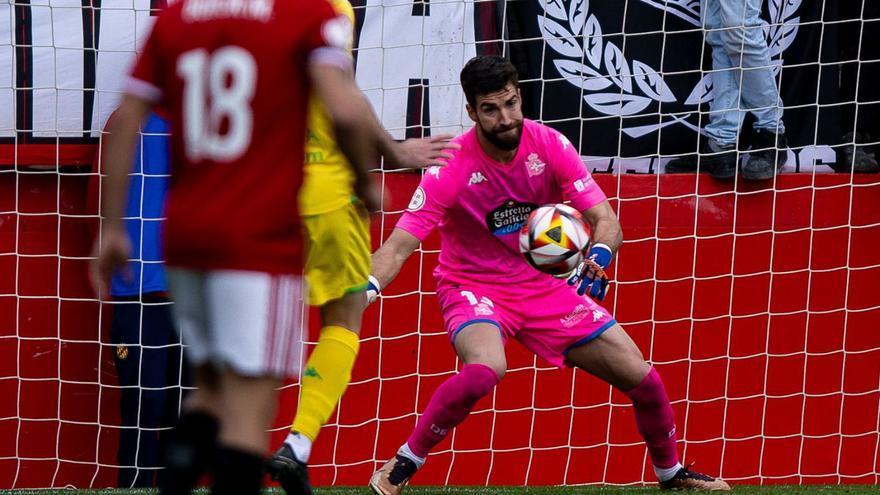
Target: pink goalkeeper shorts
x,y
545,315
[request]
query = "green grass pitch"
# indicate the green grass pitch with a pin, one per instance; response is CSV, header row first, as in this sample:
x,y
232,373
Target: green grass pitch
x,y
516,490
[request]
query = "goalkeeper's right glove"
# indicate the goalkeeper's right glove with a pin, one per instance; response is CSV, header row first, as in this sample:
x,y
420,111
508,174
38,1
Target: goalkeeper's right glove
x,y
373,289
590,273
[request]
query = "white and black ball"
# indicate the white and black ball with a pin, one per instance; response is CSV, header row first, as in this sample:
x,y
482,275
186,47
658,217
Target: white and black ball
x,y
553,239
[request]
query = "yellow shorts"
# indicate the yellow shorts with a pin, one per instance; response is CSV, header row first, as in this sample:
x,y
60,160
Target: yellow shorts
x,y
338,259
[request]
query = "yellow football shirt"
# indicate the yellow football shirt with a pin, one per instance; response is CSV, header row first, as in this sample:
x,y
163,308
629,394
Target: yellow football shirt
x,y
327,176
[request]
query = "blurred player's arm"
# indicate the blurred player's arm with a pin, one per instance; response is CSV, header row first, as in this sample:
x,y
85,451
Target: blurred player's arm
x,y
388,260
114,246
352,121
412,153
353,115
416,152
606,240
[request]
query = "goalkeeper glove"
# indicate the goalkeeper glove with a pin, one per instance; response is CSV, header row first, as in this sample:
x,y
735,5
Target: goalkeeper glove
x,y
373,289
591,272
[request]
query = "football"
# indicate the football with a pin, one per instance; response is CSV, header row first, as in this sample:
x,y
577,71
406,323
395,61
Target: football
x,y
553,239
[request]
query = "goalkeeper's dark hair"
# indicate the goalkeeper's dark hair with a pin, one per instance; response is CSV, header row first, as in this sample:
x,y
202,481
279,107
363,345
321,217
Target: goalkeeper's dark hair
x,y
486,74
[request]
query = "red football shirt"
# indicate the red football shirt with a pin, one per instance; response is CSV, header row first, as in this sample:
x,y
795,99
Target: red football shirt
x,y
232,76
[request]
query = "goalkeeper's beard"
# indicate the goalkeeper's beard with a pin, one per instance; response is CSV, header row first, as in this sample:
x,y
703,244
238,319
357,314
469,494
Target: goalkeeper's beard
x,y
502,141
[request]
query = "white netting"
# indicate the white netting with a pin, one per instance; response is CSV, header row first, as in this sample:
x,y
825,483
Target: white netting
x,y
757,302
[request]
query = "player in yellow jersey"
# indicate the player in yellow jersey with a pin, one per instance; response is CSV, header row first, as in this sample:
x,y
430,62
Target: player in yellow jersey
x,y
337,269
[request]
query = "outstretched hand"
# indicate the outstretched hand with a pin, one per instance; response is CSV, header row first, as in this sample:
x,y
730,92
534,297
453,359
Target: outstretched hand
x,y
426,152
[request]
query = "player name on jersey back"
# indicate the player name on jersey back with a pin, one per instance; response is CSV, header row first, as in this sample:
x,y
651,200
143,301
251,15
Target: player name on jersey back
x,y
206,10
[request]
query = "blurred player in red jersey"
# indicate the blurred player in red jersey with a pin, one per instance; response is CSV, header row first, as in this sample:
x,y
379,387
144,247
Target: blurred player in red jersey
x,y
234,77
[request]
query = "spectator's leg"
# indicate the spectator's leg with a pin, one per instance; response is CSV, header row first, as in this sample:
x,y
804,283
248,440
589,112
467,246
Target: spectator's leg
x,y
869,77
124,335
745,43
848,42
857,128
724,111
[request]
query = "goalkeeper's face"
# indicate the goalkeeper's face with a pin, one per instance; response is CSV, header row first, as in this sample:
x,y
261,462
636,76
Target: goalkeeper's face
x,y
499,117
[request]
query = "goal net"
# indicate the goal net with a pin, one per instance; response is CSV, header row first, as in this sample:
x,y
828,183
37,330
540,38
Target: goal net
x,y
757,302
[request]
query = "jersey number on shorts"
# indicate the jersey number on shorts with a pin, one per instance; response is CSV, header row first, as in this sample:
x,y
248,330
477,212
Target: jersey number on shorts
x,y
218,88
473,301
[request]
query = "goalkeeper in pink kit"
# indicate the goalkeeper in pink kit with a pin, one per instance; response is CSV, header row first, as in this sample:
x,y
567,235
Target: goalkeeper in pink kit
x,y
506,167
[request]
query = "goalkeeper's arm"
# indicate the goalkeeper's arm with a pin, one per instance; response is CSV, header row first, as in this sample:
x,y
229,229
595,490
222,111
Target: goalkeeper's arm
x,y
605,226
388,260
606,240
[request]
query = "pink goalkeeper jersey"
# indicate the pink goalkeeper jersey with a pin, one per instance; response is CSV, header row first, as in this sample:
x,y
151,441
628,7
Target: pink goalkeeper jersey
x,y
480,204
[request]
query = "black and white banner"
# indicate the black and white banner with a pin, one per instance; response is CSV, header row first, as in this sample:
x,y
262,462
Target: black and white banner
x,y
62,62
628,82
632,80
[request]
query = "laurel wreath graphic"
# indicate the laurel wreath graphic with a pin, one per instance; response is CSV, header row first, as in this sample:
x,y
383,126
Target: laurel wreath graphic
x,y
605,75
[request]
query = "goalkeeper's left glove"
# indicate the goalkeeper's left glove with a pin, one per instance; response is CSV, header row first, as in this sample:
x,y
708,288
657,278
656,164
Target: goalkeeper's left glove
x,y
591,272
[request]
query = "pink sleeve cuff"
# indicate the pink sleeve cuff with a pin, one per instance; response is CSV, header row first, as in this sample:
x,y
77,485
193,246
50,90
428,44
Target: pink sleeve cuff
x,y
586,201
410,224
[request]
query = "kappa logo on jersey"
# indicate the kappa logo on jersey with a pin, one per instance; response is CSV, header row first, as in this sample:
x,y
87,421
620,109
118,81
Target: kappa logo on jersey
x,y
509,217
417,201
597,315
435,171
476,178
565,142
534,165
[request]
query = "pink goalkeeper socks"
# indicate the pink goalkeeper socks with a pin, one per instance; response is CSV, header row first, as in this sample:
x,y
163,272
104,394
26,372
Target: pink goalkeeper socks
x,y
655,419
450,404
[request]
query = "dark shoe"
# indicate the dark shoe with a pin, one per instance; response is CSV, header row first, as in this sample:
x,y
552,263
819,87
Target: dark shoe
x,y
768,155
685,479
719,161
293,475
686,164
189,453
393,476
854,157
